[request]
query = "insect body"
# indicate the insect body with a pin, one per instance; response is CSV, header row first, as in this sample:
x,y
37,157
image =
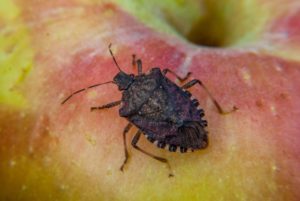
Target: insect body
x,y
161,110
164,112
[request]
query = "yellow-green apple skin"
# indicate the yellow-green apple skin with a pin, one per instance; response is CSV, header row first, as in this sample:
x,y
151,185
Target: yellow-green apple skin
x,y
48,49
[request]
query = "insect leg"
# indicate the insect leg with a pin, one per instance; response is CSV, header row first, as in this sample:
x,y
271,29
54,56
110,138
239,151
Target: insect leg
x,y
106,106
139,64
140,68
126,129
218,106
181,79
134,144
133,60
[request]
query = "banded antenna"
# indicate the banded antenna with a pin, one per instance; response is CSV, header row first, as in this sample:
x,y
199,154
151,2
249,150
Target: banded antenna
x,y
95,85
115,61
84,89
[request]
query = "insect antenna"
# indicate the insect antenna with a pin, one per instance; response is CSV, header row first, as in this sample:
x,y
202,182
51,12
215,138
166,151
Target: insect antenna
x,y
115,61
95,85
84,89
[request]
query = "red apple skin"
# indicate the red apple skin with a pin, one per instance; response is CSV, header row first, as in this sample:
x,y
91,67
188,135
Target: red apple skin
x,y
284,34
51,151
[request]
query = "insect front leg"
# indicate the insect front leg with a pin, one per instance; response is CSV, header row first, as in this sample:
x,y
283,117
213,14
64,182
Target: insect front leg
x,y
140,68
181,79
139,64
133,61
218,106
106,106
134,144
126,129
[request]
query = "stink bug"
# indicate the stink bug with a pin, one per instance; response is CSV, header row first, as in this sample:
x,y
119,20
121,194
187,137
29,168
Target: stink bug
x,y
161,110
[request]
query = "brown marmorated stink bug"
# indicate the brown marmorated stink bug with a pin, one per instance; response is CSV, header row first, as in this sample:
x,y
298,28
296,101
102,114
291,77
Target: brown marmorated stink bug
x,y
164,112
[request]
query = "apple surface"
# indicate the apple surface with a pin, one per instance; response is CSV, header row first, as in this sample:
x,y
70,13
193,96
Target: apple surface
x,y
246,53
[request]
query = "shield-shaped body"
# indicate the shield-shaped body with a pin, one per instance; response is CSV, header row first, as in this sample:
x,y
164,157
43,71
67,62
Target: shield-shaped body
x,y
164,112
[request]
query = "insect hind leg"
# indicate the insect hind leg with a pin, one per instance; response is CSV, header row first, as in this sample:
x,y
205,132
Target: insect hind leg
x,y
163,160
218,106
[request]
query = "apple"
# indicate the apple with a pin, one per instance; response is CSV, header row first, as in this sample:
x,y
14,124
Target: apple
x,y
245,52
